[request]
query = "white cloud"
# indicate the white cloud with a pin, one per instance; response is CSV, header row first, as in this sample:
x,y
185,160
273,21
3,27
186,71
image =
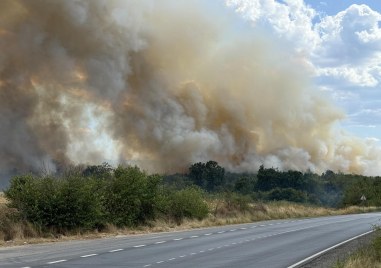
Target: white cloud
x,y
344,48
291,20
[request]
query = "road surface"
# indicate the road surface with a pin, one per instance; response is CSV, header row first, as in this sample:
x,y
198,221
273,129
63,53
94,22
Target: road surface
x,y
278,243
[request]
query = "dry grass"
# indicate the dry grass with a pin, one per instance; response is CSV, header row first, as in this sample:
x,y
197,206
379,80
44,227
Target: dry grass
x,y
361,262
14,232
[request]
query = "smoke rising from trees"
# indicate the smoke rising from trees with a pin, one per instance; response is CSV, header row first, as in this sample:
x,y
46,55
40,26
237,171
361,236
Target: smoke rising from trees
x,y
160,84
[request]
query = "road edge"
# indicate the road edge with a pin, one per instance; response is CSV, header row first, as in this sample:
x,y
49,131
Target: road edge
x,y
322,252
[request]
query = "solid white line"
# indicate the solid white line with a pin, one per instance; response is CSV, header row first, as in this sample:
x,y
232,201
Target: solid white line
x,y
90,255
160,242
53,262
139,246
115,250
328,249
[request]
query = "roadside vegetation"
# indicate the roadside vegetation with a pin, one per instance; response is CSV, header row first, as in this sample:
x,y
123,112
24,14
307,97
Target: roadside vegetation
x,y
367,257
97,200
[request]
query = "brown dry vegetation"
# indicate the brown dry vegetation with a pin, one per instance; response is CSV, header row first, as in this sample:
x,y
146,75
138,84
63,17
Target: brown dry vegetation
x,y
13,231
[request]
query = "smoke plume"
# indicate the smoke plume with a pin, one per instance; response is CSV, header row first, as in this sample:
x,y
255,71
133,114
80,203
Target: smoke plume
x,y
160,84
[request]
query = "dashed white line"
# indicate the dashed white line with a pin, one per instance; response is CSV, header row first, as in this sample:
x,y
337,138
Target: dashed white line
x,y
178,239
90,255
208,234
202,251
158,262
210,249
53,262
139,246
194,236
147,265
193,253
233,230
243,228
221,232
115,250
182,256
160,242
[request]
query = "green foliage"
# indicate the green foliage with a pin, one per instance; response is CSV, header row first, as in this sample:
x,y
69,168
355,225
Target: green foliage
x,y
130,197
209,176
186,203
288,194
64,203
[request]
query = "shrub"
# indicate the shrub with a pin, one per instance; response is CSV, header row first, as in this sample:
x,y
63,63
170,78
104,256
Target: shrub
x,y
130,197
186,203
65,203
288,194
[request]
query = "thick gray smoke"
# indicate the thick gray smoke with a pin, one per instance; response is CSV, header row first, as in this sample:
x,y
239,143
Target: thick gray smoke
x,y
160,84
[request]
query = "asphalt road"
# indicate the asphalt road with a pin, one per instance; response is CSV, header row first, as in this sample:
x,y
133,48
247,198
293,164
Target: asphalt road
x,y
279,243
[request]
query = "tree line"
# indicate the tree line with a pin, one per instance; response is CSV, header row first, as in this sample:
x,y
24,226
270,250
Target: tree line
x,y
92,197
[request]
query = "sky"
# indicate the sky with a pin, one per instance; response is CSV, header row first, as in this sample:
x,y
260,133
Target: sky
x,y
339,42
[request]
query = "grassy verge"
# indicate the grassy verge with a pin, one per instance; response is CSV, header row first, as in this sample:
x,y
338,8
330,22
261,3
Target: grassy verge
x,y
14,231
368,257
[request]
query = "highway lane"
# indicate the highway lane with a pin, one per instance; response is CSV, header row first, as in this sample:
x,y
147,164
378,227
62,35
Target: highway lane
x,y
279,243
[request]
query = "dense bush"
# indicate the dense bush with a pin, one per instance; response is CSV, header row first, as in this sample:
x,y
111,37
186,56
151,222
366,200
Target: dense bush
x,y
185,203
63,203
288,194
126,196
130,197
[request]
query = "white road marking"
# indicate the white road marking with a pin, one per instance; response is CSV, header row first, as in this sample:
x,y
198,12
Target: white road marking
x,y
208,234
253,227
328,249
158,262
243,228
53,262
233,230
172,259
182,256
194,236
178,239
201,251
160,242
148,265
211,249
139,246
262,225
115,250
90,255
221,232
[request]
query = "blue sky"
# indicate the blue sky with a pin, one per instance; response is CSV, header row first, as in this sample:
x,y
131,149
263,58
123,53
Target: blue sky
x,y
340,41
